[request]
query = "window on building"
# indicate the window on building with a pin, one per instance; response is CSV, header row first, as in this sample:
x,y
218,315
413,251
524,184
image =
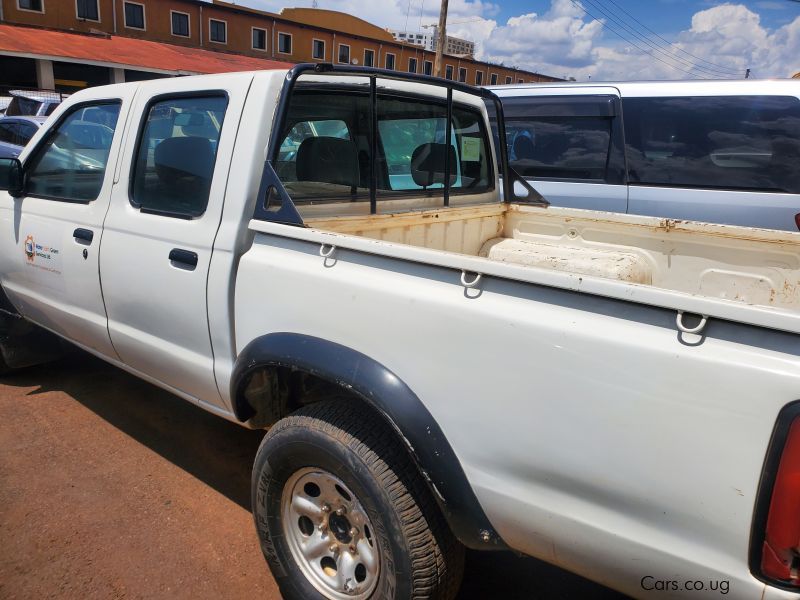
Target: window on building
x,y
520,81
259,39
462,75
508,80
176,155
180,23
88,9
71,164
134,15
34,5
369,58
344,54
318,49
412,65
728,142
427,67
478,77
285,43
218,31
390,61
448,71
493,79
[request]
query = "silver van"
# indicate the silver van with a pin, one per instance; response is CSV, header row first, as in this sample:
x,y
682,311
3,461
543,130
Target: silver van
x,y
712,151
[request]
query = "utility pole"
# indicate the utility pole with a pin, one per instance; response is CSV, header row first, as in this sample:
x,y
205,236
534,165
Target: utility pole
x,y
441,40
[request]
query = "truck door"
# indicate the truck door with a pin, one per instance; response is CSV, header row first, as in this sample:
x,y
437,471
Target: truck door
x,y
569,145
49,248
159,233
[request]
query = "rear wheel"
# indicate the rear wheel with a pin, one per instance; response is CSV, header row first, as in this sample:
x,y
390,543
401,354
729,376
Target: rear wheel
x,y
342,513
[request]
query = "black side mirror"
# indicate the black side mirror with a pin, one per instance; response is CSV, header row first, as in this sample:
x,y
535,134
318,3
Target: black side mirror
x,y
11,176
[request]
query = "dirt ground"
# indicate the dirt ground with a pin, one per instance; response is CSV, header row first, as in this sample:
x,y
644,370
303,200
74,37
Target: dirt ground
x,y
112,488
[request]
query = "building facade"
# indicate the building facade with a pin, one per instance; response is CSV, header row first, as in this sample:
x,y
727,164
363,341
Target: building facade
x,y
454,46
295,35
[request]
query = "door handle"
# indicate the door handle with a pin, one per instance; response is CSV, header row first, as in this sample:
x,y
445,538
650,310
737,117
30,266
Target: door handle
x,y
86,235
183,258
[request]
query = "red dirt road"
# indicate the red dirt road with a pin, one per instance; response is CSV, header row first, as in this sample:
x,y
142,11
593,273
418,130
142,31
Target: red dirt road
x,y
112,488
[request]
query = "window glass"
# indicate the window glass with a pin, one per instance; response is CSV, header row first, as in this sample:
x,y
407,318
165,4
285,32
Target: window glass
x,y
217,31
71,163
31,5
180,24
51,108
284,43
478,77
318,49
134,15
176,155
448,72
750,142
344,54
369,58
20,105
390,62
25,132
462,75
259,39
326,150
8,132
559,147
412,65
428,67
87,9
493,79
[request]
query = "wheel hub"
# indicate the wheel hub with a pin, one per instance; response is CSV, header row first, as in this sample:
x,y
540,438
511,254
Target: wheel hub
x,y
329,535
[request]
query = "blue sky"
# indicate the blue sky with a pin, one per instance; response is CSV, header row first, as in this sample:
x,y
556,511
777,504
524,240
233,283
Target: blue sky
x,y
654,39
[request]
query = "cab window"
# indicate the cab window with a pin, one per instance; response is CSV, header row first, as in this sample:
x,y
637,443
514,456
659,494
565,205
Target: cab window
x,y
70,164
176,154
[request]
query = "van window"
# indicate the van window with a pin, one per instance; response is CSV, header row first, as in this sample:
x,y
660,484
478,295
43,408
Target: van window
x,y
564,137
176,155
728,142
70,164
325,152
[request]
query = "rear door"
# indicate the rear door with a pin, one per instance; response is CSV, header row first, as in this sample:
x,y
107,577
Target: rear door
x,y
159,234
51,236
568,143
719,159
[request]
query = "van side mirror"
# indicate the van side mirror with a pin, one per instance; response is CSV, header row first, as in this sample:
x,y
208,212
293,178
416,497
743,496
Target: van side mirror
x,y
11,178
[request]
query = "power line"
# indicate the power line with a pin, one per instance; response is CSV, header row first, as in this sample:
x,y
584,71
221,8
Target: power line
x,y
678,48
678,59
625,39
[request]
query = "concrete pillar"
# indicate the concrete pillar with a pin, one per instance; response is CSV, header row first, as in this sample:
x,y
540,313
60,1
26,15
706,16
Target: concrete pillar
x,y
44,74
117,75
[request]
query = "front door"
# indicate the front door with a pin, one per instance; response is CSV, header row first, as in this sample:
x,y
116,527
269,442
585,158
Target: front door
x,y
160,230
50,245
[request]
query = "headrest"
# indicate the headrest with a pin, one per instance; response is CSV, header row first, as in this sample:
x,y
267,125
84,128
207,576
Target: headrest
x,y
328,160
428,162
523,147
179,157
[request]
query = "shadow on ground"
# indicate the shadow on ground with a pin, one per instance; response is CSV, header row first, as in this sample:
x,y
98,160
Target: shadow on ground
x,y
220,454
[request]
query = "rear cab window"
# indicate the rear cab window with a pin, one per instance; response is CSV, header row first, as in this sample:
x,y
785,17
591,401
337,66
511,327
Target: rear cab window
x,y
714,142
325,153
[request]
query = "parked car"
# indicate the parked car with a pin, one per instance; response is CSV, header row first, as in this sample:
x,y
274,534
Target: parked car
x,y
713,151
16,132
437,366
4,102
33,103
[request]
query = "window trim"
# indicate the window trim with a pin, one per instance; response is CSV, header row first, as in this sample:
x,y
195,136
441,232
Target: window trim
x,y
223,21
339,54
452,72
464,71
140,132
188,23
372,50
125,16
493,78
427,62
324,50
34,153
30,10
79,18
509,80
252,31
416,64
478,72
291,43
386,61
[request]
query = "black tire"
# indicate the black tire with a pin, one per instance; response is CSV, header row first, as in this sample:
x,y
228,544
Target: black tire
x,y
4,368
419,556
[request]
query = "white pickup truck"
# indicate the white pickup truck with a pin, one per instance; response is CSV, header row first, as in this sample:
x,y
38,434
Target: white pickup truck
x,y
326,253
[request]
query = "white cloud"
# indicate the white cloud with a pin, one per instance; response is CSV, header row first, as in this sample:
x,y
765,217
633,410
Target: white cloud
x,y
565,41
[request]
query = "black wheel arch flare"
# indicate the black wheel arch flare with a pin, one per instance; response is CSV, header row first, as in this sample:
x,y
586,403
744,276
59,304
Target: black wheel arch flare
x,y
376,385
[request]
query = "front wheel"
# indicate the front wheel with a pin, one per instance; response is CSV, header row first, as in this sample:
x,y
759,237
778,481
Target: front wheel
x,y
342,513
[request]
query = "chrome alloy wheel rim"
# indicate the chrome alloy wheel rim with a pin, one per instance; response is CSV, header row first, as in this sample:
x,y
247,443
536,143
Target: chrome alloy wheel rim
x,y
329,535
